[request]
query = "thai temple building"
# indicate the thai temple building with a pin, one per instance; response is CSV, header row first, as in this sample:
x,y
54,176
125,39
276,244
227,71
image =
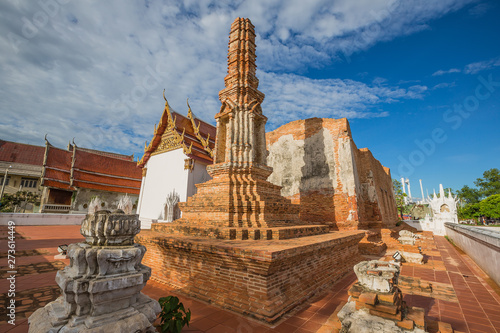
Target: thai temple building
x,y
72,177
66,179
173,163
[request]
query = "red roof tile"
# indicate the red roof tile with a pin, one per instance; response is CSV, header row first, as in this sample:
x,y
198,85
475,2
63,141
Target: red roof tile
x,y
107,188
106,165
21,153
91,170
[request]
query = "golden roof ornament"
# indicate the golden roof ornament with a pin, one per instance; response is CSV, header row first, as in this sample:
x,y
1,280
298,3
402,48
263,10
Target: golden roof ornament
x,y
196,129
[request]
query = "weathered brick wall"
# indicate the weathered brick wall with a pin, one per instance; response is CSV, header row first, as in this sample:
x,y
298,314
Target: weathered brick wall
x,y
320,168
263,281
376,199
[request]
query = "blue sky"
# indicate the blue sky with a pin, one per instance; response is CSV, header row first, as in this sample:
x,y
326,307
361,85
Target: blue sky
x,y
418,80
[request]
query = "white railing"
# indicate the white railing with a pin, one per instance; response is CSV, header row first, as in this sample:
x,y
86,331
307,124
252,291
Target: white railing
x,y
55,208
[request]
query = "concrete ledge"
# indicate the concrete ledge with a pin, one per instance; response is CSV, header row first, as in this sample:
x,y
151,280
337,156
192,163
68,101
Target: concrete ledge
x,y
41,219
483,246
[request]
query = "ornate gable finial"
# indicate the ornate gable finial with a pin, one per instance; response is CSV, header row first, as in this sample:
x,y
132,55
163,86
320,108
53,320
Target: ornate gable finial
x,y
170,119
196,129
47,143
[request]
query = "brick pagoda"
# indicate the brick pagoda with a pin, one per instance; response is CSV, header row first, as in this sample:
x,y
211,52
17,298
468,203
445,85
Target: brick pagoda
x,y
240,244
239,202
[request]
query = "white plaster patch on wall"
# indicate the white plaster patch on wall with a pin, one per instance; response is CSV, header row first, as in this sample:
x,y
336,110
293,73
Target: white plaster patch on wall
x,y
347,171
303,165
286,157
369,188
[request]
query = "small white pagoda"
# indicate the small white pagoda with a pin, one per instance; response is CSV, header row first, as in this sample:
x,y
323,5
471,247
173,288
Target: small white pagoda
x,y
444,209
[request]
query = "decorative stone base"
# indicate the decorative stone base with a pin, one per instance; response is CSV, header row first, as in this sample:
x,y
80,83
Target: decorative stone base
x,y
263,280
135,319
101,287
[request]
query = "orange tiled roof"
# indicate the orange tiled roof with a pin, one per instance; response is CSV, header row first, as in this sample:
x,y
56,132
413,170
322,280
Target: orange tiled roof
x,y
197,137
21,153
83,168
110,154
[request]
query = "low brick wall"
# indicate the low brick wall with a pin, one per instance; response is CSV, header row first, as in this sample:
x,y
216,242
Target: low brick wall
x,y
261,279
482,245
41,219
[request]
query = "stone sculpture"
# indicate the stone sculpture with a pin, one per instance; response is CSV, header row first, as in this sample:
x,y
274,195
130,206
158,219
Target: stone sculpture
x,y
171,207
125,204
94,205
102,285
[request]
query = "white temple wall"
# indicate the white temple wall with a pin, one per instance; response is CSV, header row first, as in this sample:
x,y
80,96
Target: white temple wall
x,y
165,173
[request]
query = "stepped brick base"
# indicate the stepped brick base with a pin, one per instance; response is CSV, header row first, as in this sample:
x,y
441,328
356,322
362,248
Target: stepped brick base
x,y
239,197
263,280
240,233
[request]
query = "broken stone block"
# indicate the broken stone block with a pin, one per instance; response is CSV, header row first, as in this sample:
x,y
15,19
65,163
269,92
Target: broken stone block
x,y
406,237
377,275
361,321
415,258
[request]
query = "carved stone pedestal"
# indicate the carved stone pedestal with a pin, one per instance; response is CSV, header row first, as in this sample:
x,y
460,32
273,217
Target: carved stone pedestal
x,y
102,285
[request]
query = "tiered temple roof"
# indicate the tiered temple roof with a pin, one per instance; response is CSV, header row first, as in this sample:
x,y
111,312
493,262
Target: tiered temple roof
x,y
194,136
77,167
21,159
21,153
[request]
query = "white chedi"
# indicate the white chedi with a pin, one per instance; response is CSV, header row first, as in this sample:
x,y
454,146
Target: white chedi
x,y
444,209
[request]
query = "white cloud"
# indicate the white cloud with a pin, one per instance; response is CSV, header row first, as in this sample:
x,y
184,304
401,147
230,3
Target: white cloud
x,y
442,72
476,67
479,9
472,68
444,85
96,70
290,97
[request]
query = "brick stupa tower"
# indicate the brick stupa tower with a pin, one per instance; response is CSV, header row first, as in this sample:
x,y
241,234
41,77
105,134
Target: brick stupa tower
x,y
239,244
239,202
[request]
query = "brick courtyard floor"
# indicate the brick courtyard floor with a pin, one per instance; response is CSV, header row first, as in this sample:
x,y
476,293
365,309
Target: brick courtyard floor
x,y
449,286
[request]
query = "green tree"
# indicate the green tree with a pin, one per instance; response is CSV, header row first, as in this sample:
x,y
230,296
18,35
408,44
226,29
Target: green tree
x,y
490,183
490,207
470,211
19,199
469,195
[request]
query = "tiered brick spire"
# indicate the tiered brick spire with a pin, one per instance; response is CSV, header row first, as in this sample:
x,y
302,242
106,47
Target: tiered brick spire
x,y
240,124
239,202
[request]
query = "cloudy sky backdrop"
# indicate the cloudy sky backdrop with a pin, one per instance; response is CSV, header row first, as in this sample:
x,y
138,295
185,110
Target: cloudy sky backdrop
x,y
405,73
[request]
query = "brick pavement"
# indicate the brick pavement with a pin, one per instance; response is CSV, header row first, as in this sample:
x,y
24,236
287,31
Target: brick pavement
x,y
460,294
